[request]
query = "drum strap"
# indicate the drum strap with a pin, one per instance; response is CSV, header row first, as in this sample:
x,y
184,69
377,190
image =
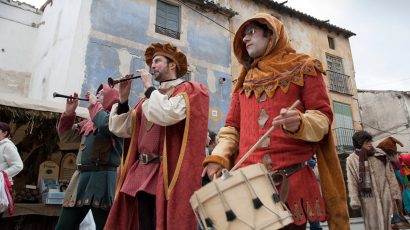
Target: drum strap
x,y
280,177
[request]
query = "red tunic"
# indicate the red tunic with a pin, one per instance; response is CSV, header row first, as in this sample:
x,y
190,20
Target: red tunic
x,y
304,193
181,165
134,176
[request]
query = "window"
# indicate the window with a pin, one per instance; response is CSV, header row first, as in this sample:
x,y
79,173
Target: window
x,y
331,42
339,82
168,19
334,64
343,126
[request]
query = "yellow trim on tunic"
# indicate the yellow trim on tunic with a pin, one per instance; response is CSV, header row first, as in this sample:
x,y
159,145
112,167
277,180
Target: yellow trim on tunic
x,y
169,187
124,164
283,80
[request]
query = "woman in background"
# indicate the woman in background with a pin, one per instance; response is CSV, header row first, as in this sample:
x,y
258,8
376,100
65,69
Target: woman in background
x,y
10,160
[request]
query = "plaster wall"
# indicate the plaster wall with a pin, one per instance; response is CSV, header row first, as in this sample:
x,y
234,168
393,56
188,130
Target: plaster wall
x,y
222,3
60,51
122,30
386,113
18,34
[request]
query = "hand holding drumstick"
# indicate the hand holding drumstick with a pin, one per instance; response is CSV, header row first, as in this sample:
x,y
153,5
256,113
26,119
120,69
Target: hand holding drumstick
x,y
288,118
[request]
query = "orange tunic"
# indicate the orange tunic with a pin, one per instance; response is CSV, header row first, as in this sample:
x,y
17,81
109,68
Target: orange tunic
x,y
272,81
284,151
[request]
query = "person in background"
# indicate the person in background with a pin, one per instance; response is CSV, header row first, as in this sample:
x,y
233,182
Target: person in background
x,y
211,142
10,160
401,167
92,185
210,145
371,183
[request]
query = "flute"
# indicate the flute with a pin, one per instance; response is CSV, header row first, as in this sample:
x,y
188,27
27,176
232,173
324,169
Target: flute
x,y
112,82
55,94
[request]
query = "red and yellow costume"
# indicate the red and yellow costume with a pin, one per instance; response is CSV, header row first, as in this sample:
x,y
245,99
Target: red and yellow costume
x,y
267,84
177,135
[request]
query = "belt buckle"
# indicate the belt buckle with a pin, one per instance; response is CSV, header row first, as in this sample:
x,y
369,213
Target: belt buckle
x,y
277,177
144,158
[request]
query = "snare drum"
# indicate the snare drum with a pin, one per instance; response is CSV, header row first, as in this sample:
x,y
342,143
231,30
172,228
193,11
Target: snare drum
x,y
247,199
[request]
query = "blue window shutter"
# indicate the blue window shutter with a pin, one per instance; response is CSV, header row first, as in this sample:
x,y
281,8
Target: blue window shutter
x,y
168,16
343,124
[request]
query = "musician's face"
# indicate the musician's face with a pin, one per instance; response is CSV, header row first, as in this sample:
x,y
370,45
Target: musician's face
x,y
100,96
163,69
255,41
393,157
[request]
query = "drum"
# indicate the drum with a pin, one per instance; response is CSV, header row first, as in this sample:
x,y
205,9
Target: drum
x,y
246,199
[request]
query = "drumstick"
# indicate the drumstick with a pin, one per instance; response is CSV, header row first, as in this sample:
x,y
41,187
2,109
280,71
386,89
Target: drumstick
x,y
296,103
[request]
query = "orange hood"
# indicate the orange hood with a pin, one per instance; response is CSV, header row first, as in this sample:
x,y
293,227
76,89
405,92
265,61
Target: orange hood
x,y
279,61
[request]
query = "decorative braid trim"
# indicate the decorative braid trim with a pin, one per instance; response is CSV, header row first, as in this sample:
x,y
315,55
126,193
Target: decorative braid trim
x,y
216,159
282,80
170,186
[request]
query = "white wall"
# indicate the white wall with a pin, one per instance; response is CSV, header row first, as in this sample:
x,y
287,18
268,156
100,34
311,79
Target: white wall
x,y
60,51
17,42
386,113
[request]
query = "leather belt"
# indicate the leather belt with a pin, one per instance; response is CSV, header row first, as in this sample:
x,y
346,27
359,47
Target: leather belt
x,y
92,168
146,158
280,177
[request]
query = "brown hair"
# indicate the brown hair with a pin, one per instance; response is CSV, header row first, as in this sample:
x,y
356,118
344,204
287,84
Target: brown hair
x,y
360,137
266,31
5,128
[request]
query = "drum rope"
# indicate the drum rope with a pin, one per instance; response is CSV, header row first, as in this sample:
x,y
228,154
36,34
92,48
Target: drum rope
x,y
257,203
230,215
255,196
208,222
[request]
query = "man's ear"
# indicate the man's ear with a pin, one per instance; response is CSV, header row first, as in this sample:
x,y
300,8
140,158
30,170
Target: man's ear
x,y
172,65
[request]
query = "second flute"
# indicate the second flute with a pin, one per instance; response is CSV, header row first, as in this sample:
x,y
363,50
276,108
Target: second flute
x,y
112,82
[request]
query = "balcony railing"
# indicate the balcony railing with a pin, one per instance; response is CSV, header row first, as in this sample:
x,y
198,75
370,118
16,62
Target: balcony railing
x,y
344,140
340,83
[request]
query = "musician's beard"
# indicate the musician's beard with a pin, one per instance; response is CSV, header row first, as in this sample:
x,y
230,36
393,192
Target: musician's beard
x,y
157,76
161,75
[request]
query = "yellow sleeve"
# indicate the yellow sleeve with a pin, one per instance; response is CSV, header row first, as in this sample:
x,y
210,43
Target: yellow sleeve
x,y
313,127
228,146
